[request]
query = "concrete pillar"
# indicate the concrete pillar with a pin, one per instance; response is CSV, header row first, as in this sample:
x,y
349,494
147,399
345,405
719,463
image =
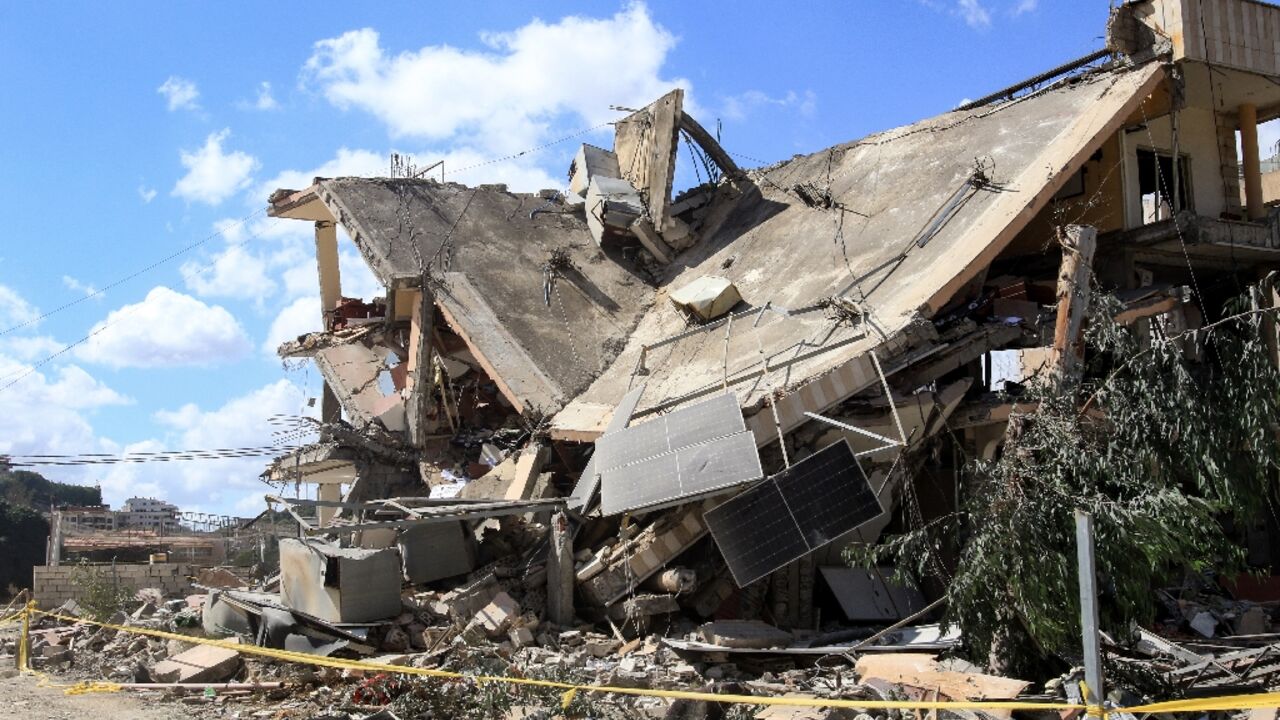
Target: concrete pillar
x,y
1078,246
55,540
330,492
327,263
1248,117
560,575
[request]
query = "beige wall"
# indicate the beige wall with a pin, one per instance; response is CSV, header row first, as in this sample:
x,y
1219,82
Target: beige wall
x,y
53,586
1198,140
1242,34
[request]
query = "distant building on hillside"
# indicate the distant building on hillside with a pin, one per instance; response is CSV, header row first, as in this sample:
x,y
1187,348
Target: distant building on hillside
x,y
148,513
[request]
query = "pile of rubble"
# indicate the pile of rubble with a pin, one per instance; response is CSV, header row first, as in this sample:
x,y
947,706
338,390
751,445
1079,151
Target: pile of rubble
x,y
492,624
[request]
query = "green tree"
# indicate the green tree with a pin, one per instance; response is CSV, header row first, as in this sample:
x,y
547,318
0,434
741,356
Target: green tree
x,y
1167,443
33,490
23,533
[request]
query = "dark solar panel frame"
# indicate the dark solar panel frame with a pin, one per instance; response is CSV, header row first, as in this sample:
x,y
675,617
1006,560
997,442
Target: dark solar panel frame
x,y
793,513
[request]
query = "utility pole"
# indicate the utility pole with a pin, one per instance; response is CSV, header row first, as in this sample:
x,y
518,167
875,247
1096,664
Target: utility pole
x,y
1090,636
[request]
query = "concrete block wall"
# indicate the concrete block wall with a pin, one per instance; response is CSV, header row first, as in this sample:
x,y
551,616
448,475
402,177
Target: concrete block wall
x,y
53,586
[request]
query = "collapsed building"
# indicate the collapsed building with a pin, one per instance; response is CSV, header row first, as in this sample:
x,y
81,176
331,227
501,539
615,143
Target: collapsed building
x,y
637,402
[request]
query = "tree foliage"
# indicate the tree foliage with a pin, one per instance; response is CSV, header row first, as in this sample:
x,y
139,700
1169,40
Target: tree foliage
x,y
22,545
33,490
1169,440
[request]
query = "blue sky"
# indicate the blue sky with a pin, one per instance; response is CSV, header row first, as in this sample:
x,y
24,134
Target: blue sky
x,y
133,131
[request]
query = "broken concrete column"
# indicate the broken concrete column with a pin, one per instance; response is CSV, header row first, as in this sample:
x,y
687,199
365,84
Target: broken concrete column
x,y
528,466
1078,244
651,550
420,404
560,577
648,237
590,162
674,580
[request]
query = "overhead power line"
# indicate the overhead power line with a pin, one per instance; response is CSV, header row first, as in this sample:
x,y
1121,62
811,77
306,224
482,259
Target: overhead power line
x,y
120,281
18,376
146,457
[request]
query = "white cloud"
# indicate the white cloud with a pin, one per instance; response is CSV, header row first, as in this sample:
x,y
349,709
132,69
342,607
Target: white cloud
x,y
347,162
166,329
28,348
241,422
1025,6
48,413
14,309
974,14
180,93
738,107
75,388
147,194
213,175
265,100
77,286
233,273
512,96
297,318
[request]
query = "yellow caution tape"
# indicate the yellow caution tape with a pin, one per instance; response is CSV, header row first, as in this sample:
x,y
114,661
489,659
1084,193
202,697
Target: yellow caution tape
x,y
570,690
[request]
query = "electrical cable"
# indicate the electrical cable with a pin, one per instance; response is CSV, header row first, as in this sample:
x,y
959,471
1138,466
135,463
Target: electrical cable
x,y
19,375
120,281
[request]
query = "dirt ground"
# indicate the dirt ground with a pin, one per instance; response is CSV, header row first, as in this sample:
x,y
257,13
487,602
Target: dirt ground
x,y
22,697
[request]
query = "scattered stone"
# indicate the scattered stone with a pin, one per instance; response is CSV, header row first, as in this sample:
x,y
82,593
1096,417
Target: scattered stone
x,y
1204,623
496,617
203,663
743,634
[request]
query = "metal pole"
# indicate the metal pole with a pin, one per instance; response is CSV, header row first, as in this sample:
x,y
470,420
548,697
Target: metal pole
x,y
1094,692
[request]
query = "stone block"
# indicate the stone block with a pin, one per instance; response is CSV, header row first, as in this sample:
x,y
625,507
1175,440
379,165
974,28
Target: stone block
x,y
203,663
496,617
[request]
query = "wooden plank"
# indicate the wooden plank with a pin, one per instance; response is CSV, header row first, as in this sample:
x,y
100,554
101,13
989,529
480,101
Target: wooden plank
x,y
922,671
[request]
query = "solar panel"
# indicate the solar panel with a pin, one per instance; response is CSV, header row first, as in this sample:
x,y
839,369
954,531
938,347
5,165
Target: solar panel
x,y
584,490
691,452
687,426
679,476
793,513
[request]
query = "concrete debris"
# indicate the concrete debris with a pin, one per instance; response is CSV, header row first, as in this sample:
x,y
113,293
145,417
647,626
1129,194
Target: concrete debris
x,y
201,663
591,162
708,297
612,206
519,440
743,634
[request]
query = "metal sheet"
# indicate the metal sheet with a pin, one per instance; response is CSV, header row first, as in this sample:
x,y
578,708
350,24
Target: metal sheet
x,y
870,596
682,475
793,513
